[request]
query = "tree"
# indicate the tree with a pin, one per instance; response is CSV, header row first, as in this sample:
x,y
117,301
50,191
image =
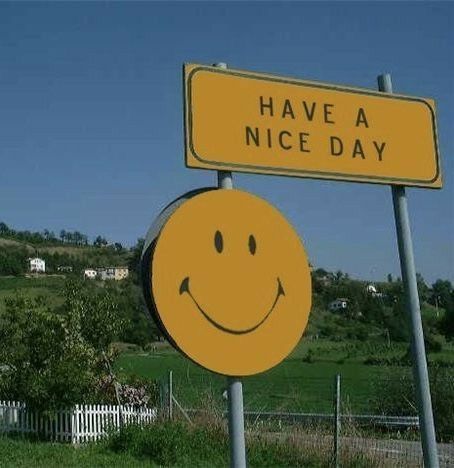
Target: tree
x,y
423,289
55,358
100,241
134,262
4,229
442,293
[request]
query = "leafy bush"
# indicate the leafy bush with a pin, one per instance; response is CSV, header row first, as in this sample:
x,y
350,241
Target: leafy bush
x,y
434,343
175,443
168,443
309,357
53,358
396,397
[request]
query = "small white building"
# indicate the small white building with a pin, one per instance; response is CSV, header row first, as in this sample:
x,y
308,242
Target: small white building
x,y
37,265
372,290
339,304
113,273
90,273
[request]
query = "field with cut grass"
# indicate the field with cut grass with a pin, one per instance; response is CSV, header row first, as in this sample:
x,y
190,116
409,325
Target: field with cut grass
x,y
302,382
50,287
25,453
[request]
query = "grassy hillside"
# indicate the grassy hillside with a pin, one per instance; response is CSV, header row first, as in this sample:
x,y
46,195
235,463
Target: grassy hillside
x,y
75,250
14,254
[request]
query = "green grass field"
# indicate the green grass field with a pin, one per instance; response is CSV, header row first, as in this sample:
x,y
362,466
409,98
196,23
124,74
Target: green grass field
x,y
294,385
24,453
50,287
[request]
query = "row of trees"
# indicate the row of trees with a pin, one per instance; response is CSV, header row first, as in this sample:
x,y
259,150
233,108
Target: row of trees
x,y
47,237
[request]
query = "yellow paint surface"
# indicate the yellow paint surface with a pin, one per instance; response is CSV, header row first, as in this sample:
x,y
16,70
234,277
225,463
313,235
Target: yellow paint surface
x,y
231,282
259,123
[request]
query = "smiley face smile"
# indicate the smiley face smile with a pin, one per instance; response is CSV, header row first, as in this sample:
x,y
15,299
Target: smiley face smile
x,y
184,288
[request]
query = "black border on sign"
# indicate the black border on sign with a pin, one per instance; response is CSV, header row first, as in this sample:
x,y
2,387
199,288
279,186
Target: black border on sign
x,y
297,172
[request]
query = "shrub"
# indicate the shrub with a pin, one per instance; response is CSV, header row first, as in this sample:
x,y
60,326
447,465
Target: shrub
x,y
54,357
180,444
168,443
396,397
434,343
309,357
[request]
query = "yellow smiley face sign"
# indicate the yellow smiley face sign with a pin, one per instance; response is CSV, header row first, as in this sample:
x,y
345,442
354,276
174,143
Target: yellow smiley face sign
x,y
230,282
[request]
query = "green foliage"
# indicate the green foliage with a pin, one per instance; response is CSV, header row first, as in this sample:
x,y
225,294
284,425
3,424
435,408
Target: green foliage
x,y
134,262
139,328
21,452
395,396
13,261
309,357
13,258
396,322
94,316
165,443
53,358
433,343
174,443
43,365
43,238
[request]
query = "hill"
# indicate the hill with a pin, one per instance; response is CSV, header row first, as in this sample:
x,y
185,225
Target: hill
x,y
371,310
70,250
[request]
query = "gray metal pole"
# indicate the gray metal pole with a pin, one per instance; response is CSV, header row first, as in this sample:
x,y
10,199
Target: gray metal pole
x,y
234,385
407,266
337,419
236,423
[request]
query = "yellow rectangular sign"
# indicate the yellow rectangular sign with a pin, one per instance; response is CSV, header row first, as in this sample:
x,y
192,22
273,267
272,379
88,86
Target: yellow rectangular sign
x,y
251,122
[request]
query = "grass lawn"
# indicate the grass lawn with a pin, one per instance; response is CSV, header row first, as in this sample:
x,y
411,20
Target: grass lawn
x,y
24,453
293,385
50,287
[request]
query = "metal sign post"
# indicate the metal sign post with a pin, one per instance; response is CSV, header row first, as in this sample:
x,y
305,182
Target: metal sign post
x,y
234,385
407,266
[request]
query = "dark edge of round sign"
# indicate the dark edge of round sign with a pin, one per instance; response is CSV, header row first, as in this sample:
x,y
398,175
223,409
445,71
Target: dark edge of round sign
x,y
147,256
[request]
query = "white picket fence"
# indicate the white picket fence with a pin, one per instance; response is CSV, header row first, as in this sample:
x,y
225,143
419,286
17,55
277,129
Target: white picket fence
x,y
82,423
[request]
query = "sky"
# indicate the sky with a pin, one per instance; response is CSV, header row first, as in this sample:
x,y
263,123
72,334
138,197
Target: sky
x,y
91,114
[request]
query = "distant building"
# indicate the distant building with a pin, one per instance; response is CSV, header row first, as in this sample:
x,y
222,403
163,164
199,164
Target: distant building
x,y
121,273
372,290
37,265
339,304
65,269
113,273
90,273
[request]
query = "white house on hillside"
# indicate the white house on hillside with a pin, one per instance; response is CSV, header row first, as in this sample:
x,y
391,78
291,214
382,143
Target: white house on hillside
x,y
338,304
113,273
90,273
37,265
372,290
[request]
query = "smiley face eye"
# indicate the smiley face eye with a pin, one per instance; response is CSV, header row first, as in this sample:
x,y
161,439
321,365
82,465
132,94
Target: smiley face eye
x,y
218,241
252,244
